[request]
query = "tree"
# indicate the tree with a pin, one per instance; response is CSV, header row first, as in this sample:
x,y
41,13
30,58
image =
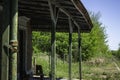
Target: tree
x,y
41,42
94,43
61,44
117,53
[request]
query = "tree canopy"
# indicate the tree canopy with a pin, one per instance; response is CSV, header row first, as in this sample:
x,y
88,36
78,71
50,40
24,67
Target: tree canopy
x,y
94,43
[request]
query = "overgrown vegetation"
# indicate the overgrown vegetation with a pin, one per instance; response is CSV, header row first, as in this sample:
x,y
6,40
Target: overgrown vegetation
x,y
95,53
93,43
94,69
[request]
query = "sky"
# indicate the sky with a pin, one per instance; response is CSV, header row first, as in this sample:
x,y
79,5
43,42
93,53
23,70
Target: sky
x,y
110,18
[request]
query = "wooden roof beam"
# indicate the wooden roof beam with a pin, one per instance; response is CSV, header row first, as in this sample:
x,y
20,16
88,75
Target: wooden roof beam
x,y
68,14
83,11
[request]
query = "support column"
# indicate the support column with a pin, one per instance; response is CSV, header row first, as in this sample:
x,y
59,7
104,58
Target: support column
x,y
13,39
70,48
53,52
54,11
4,38
79,53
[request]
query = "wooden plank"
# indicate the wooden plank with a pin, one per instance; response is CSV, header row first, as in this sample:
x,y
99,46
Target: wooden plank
x,y
34,3
68,14
37,12
79,6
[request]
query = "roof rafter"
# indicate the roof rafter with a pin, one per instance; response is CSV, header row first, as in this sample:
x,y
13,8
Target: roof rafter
x,y
68,14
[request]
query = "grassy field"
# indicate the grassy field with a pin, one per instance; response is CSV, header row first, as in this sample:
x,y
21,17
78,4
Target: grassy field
x,y
95,69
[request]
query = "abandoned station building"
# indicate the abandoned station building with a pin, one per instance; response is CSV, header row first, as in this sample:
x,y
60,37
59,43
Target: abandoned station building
x,y
18,18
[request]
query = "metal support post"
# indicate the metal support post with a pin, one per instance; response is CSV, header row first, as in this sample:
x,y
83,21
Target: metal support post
x,y
4,38
54,11
53,53
79,53
13,39
70,48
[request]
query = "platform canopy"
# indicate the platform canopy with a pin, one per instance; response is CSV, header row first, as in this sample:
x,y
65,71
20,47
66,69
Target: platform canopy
x,y
40,19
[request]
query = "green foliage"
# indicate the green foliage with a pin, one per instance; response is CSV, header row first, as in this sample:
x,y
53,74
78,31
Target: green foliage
x,y
61,67
116,53
93,43
105,71
61,44
41,42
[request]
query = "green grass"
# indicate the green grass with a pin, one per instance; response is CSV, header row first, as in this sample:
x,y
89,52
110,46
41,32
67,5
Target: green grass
x,y
104,71
61,67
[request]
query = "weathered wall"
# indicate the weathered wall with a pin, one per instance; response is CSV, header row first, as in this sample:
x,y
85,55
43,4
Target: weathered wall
x,y
0,38
4,41
4,37
25,26
29,47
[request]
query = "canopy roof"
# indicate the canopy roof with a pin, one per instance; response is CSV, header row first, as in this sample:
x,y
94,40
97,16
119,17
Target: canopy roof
x,y
40,19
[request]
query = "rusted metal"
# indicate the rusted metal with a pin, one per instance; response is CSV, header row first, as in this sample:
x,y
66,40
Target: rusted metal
x,y
13,46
